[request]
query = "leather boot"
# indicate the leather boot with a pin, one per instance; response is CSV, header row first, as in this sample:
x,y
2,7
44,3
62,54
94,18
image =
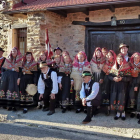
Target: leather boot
x,y
88,117
52,107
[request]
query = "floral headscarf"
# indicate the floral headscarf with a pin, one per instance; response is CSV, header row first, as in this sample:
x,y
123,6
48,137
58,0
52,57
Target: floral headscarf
x,y
63,68
132,59
9,64
124,69
76,61
94,58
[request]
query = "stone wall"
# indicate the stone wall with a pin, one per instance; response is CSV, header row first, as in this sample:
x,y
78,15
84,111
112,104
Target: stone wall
x,y
61,31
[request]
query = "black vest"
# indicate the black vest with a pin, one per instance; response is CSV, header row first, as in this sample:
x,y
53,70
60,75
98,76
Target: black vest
x,y
48,81
88,91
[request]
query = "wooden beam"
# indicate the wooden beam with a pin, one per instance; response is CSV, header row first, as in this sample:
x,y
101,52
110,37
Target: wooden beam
x,y
86,11
119,22
16,26
112,8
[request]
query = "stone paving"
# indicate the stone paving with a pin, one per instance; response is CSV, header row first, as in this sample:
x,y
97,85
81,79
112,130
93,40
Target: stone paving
x,y
101,125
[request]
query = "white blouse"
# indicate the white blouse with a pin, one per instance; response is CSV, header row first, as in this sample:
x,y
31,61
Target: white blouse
x,y
41,84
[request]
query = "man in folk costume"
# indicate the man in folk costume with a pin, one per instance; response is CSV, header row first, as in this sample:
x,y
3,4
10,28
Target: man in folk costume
x,y
57,51
111,58
2,60
48,87
97,63
10,80
123,48
55,66
90,95
120,74
134,94
80,64
42,58
28,77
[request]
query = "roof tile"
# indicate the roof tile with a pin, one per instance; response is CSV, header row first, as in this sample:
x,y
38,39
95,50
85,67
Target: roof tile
x,y
44,4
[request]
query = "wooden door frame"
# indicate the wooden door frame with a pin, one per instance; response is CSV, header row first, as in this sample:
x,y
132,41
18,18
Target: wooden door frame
x,y
122,25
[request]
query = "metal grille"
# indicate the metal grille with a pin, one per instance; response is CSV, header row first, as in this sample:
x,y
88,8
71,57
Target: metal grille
x,y
22,40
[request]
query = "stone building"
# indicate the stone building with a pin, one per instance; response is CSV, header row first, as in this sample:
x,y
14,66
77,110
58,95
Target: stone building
x,y
73,25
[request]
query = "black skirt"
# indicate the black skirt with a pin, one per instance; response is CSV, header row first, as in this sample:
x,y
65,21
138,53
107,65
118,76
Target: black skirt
x,y
26,99
106,87
9,90
67,94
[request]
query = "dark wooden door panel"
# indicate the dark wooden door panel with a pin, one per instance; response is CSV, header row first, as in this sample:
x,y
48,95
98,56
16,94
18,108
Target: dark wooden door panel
x,y
112,40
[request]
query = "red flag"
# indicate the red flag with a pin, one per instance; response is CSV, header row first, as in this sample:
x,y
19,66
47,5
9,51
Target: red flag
x,y
48,45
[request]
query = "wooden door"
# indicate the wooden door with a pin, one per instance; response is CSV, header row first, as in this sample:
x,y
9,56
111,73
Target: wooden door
x,y
111,40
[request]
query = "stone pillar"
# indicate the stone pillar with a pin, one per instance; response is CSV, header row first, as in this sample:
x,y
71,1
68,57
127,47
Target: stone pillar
x,y
35,20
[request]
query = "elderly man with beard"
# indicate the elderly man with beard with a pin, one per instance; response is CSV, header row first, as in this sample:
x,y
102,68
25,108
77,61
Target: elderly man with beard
x,y
48,87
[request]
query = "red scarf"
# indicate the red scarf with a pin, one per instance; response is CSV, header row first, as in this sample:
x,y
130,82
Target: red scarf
x,y
123,70
76,61
94,58
107,66
8,64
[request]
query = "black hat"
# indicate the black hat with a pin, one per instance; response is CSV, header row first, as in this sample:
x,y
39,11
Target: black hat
x,y
1,49
86,73
123,45
57,49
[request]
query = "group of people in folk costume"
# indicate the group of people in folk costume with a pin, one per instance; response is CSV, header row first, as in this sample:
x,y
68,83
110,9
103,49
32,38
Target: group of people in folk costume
x,y
108,80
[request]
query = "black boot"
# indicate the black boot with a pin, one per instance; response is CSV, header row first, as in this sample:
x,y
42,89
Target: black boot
x,y
52,107
88,117
9,108
78,110
132,115
14,109
138,116
139,121
64,110
25,110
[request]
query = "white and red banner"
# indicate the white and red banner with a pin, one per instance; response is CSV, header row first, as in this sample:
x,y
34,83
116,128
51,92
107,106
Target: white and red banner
x,y
48,45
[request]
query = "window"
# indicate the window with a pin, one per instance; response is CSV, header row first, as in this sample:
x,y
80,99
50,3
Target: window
x,y
22,39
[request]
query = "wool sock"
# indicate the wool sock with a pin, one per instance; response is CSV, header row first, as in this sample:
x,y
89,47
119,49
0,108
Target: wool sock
x,y
123,114
118,114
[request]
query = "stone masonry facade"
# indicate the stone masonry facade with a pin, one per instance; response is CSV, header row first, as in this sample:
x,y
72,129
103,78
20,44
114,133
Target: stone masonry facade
x,y
61,31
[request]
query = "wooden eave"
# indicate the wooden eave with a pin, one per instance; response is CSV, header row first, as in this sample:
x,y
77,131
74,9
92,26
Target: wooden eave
x,y
85,8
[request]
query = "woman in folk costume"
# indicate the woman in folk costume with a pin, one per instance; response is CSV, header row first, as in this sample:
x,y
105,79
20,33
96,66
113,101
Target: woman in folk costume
x,y
104,51
80,64
2,60
111,58
29,76
134,94
10,80
64,53
43,57
65,83
97,63
120,74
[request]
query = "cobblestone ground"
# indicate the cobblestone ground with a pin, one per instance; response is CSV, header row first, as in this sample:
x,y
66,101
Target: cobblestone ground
x,y
101,125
